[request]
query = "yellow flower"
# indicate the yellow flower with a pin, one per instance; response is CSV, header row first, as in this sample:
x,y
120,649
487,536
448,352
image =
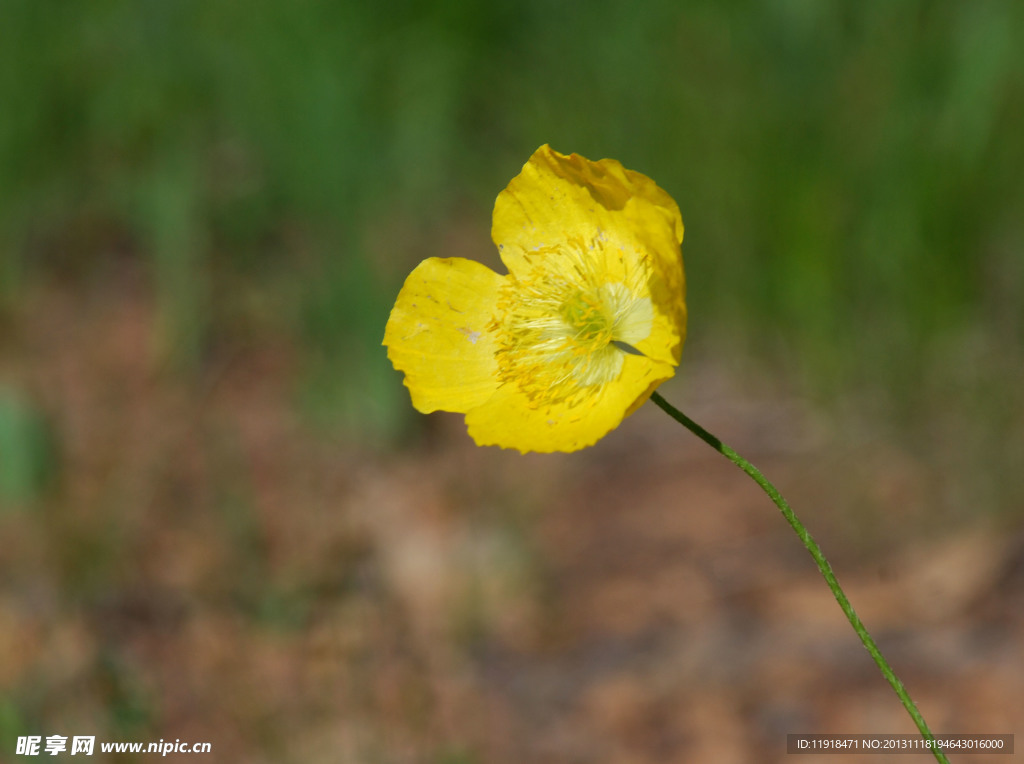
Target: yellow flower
x,y
590,319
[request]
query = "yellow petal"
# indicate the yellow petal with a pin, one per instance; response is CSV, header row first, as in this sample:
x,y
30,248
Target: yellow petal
x,y
668,329
438,334
620,215
510,419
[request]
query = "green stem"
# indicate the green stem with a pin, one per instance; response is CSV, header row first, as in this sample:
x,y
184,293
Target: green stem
x,y
819,558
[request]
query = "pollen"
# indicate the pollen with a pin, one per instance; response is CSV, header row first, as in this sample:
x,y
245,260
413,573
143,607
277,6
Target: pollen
x,y
557,328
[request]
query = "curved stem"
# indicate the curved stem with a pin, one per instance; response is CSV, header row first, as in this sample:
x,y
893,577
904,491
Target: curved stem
x,y
819,558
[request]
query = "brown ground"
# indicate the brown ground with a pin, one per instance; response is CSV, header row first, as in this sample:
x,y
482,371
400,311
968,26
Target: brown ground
x,y
206,569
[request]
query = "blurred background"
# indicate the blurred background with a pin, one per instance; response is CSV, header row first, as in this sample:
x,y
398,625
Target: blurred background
x,y
221,519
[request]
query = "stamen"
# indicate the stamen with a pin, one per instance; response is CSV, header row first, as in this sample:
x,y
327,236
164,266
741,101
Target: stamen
x,y
560,328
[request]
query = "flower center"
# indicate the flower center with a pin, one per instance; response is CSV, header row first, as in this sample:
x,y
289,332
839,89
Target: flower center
x,y
586,316
557,328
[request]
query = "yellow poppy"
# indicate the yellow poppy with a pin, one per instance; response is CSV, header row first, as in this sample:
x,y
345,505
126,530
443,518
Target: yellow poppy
x,y
590,319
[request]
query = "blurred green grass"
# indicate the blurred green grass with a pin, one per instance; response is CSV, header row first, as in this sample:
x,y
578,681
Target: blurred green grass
x,y
849,174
